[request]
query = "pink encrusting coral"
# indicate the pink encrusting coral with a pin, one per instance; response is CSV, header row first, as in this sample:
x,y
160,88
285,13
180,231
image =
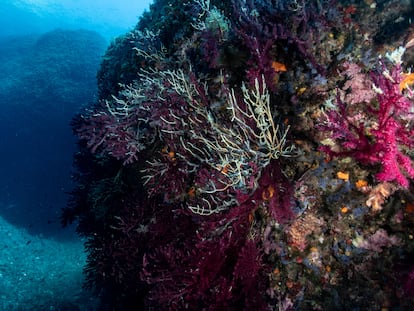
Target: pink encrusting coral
x,y
377,130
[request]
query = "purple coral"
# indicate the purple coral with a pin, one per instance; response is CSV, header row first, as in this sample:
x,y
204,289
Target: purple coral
x,y
212,265
108,134
409,283
277,32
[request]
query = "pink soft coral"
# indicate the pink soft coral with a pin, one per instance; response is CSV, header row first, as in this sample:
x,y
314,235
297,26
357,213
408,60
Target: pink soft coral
x,y
376,132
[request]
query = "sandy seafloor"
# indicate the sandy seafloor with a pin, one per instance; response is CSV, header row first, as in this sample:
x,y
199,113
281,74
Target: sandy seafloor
x,y
39,273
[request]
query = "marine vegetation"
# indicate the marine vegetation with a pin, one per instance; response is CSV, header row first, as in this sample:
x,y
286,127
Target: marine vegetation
x,y
251,155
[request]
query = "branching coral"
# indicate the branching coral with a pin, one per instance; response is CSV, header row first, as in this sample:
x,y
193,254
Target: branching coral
x,y
231,153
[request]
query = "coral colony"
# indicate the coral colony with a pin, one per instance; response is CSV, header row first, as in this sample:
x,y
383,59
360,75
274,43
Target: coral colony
x,y
378,132
251,155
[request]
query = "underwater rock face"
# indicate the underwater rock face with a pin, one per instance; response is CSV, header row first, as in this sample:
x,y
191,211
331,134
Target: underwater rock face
x,y
54,71
258,157
46,79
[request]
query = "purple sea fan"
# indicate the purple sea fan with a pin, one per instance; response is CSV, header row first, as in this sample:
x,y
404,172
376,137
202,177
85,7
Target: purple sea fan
x,y
276,191
247,275
117,135
409,283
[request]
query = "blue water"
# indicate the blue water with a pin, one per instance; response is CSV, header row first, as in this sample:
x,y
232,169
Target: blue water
x,y
109,17
45,77
49,54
